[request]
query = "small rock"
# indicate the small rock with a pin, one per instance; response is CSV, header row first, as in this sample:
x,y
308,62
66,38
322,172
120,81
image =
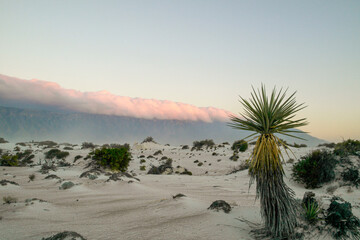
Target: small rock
x,y
220,205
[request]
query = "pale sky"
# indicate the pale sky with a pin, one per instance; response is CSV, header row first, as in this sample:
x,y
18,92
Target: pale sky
x,y
203,53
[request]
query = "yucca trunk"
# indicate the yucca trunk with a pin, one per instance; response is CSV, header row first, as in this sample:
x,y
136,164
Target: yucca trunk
x,y
278,205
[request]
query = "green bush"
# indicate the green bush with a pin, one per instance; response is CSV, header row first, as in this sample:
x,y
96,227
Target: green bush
x,y
113,158
25,157
199,144
340,216
348,147
315,168
142,168
240,145
56,153
351,175
9,160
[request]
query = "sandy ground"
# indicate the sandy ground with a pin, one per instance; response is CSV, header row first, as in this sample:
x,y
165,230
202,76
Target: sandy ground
x,y
145,209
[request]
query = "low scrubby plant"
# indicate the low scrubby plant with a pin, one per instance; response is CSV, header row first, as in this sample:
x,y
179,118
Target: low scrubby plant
x,y
9,160
315,168
68,148
328,145
113,158
142,168
88,145
56,153
2,140
9,199
348,147
197,145
142,160
240,145
340,216
32,177
299,145
116,145
351,175
234,157
148,139
158,152
185,147
25,157
47,144
77,157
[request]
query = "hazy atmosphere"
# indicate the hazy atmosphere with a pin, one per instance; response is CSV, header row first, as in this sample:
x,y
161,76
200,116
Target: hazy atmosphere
x,y
185,59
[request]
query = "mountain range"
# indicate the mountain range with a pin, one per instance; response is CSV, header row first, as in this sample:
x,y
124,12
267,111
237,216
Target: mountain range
x,y
22,124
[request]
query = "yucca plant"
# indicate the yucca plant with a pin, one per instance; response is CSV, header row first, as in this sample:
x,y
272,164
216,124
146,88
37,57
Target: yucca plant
x,y
267,118
312,211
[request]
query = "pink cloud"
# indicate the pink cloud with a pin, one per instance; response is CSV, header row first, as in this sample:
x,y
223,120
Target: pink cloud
x,y
103,102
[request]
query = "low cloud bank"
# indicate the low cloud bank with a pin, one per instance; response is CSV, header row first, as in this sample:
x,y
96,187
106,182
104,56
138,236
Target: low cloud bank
x,y
103,102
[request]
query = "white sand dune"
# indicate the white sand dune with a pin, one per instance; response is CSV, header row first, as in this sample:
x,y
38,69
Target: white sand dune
x,y
145,209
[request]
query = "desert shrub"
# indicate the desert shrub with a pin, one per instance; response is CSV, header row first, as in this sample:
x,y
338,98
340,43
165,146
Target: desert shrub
x,y
185,147
328,145
9,160
9,199
56,153
17,149
31,177
240,145
348,147
47,144
234,157
199,144
158,152
21,144
77,157
116,145
225,143
299,145
163,158
88,145
46,167
340,216
113,158
142,160
148,139
351,175
200,164
315,168
25,157
186,172
142,168
68,148
2,140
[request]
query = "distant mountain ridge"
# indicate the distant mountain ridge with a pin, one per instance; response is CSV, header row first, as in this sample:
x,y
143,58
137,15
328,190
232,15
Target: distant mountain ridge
x,y
18,124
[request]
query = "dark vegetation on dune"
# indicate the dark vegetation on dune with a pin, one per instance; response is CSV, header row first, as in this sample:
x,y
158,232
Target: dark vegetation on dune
x,y
318,167
198,145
